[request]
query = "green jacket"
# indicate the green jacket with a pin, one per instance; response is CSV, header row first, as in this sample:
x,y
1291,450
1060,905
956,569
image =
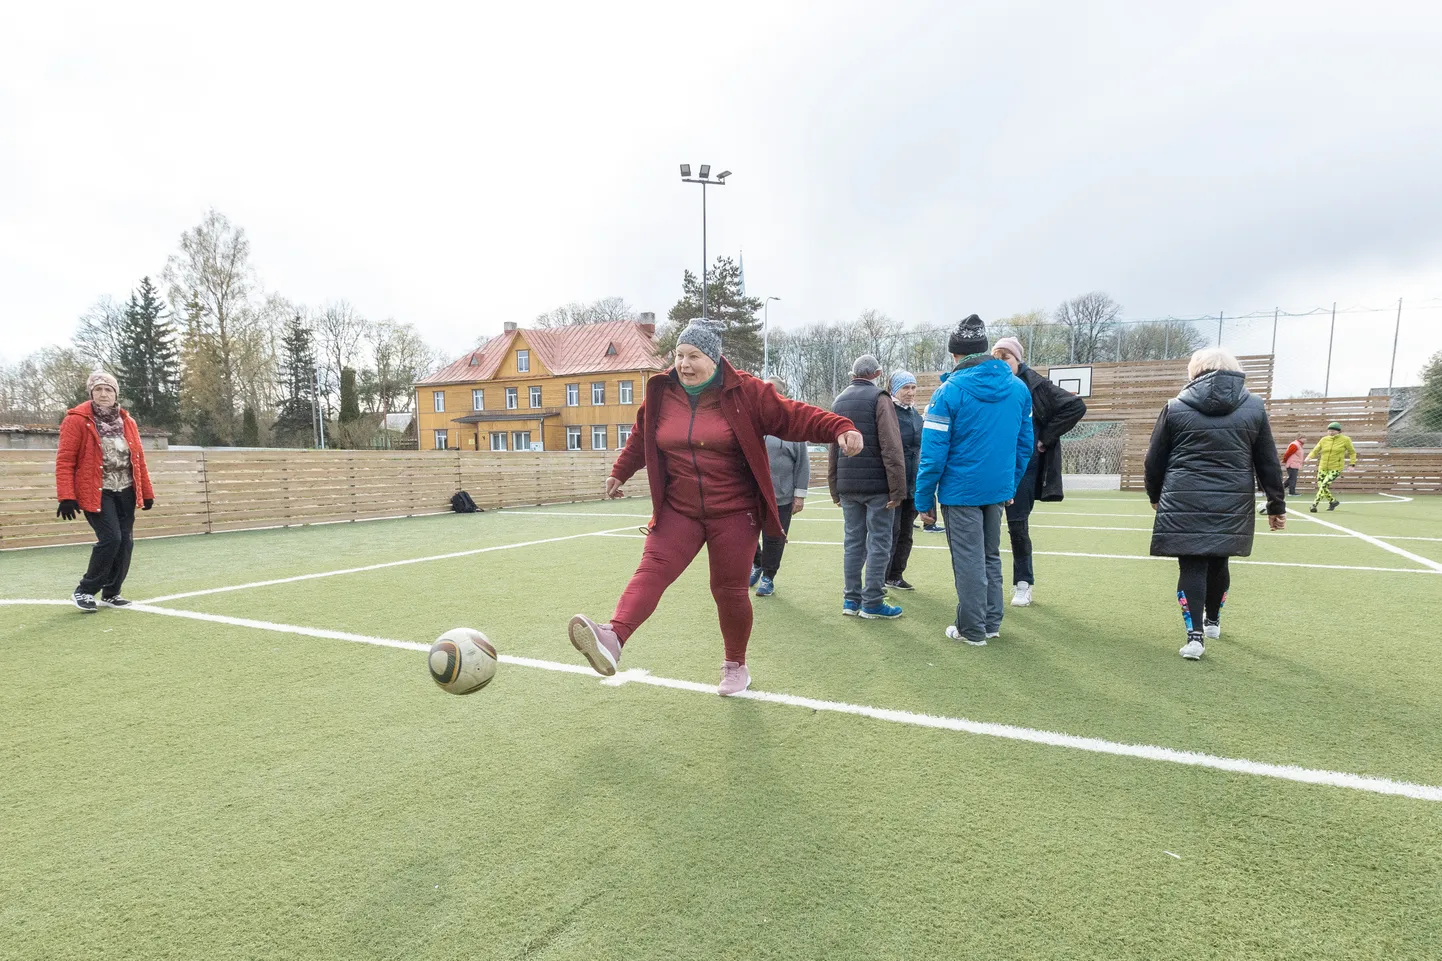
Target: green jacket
x,y
1333,451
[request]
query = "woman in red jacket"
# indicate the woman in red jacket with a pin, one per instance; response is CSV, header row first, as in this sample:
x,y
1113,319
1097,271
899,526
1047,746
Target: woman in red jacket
x,y
100,469
700,434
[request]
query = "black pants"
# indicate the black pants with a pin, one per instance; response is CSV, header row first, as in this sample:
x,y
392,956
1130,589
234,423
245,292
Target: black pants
x,y
901,538
1018,525
110,558
768,555
1203,584
1292,473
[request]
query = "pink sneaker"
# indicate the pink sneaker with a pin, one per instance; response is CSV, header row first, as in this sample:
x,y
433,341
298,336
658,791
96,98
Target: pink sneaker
x,y
734,679
597,642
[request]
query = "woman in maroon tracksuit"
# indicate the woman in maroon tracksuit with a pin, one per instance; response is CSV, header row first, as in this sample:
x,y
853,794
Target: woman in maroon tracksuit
x,y
700,434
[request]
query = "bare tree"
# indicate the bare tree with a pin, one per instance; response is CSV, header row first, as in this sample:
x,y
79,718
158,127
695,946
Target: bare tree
x,y
212,269
576,313
401,358
98,335
1159,340
1090,320
339,330
880,336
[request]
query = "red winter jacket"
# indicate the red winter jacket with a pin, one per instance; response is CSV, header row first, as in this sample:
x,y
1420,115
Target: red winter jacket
x,y
78,462
753,409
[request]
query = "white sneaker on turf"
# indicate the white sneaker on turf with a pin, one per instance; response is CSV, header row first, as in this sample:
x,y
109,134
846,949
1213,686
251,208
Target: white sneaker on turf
x,y
1212,630
954,635
1021,597
992,634
1193,650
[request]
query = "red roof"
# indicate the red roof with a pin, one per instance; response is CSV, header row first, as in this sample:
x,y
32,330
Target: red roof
x,y
562,351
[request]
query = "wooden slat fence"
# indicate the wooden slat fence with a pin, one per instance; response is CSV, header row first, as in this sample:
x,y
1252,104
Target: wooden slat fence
x,y
212,490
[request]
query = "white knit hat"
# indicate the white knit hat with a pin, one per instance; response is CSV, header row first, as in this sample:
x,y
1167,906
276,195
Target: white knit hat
x,y
101,377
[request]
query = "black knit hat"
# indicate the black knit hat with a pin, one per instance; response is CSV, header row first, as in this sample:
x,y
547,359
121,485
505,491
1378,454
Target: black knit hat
x,y
968,338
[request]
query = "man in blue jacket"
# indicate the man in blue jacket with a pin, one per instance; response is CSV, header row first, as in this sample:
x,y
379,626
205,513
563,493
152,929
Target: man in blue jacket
x,y
976,441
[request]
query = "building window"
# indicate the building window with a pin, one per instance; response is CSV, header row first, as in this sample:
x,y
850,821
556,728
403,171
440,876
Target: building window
x,y
440,440
623,434
520,440
573,438
438,401
535,397
498,440
598,393
628,392
478,400
512,398
523,361
598,437
573,395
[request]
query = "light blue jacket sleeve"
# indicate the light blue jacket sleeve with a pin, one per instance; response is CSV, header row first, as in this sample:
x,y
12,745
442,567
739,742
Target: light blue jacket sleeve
x,y
935,446
802,477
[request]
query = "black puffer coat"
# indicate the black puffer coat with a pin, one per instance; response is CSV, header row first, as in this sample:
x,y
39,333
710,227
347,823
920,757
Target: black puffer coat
x,y
1209,443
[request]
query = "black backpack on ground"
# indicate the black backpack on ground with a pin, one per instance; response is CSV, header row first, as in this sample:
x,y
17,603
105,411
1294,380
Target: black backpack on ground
x,y
462,503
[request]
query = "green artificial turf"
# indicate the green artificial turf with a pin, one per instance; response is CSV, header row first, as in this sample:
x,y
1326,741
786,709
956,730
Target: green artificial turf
x,y
183,789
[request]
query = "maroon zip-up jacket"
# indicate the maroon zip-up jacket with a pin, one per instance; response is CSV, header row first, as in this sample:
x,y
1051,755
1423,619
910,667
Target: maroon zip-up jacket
x,y
752,409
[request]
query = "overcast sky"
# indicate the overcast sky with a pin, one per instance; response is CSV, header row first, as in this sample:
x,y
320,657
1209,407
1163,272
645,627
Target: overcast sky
x,y
466,164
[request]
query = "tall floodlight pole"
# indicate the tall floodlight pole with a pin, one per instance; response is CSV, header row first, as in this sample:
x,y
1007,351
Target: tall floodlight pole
x,y
766,339
704,179
1327,383
1276,312
1220,315
1396,331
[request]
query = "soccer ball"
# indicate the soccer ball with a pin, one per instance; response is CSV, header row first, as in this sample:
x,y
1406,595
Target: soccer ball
x,y
462,661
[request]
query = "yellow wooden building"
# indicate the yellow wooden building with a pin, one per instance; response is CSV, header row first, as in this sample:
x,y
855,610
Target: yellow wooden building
x,y
569,388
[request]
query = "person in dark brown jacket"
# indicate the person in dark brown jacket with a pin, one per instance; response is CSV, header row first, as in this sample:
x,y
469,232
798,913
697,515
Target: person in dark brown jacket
x,y
869,487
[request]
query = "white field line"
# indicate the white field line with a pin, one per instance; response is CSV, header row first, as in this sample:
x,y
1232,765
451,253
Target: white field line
x,y
1146,752
1117,557
377,567
1435,566
57,603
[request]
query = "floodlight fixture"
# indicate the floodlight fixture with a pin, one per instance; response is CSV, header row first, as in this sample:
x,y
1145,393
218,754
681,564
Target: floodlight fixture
x,y
723,175
685,170
705,171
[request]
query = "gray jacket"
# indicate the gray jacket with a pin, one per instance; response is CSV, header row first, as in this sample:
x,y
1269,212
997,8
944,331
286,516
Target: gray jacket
x,y
790,468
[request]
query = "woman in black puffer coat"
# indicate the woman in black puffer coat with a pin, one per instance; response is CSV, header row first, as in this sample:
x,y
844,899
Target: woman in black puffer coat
x,y
1211,440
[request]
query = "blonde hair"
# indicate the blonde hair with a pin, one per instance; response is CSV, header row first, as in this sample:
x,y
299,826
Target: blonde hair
x,y
778,383
1211,358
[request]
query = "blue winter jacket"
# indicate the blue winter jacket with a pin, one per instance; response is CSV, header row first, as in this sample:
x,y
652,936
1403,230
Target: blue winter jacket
x,y
976,439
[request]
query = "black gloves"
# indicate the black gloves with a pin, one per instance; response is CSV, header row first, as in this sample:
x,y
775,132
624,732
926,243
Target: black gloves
x,y
149,503
67,510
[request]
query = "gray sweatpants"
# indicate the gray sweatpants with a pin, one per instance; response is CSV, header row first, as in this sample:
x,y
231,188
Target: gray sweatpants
x,y
974,536
866,541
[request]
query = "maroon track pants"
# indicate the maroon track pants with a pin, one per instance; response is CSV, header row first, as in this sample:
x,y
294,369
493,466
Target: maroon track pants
x,y
672,545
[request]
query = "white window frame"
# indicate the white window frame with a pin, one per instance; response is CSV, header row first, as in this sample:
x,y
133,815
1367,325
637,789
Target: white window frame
x,y
535,397
517,444
627,392
623,434
573,395
523,361
573,437
503,437
605,436
438,401
478,399
513,398
598,385
441,439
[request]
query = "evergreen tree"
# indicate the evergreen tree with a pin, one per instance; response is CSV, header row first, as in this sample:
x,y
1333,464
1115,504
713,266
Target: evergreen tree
x,y
726,307
296,420
249,428
349,398
202,382
148,359
1429,399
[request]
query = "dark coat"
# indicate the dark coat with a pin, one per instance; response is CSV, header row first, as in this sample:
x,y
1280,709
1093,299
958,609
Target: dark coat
x,y
753,409
1209,443
1054,412
908,419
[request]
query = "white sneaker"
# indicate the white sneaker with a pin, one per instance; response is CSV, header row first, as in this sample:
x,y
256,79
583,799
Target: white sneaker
x,y
991,634
953,634
1193,650
1212,630
1022,596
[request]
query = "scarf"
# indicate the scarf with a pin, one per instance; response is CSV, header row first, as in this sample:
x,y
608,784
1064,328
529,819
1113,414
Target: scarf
x,y
696,391
108,423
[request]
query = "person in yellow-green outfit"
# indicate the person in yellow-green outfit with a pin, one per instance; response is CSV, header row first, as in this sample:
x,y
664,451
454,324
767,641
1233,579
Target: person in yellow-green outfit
x,y
1333,453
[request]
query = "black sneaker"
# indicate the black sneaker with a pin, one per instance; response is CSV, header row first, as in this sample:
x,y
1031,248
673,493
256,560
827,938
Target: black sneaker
x,y
114,600
900,584
1333,506
933,529
1314,508
86,602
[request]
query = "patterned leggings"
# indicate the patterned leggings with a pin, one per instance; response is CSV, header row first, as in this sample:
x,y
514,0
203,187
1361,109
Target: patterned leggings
x,y
1324,485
